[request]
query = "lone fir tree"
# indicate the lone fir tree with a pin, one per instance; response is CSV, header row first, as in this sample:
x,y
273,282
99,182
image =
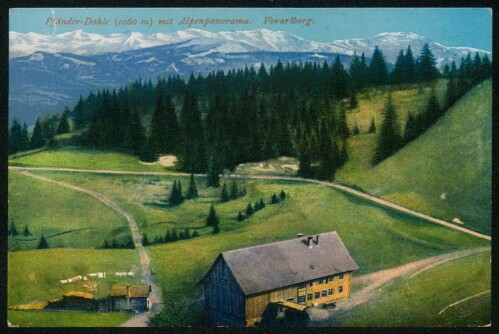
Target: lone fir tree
x,y
212,219
42,244
192,191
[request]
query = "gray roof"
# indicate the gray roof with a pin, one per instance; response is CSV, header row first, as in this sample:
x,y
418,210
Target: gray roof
x,y
271,266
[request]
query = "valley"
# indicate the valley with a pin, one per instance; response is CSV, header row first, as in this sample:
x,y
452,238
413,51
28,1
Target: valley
x,y
145,169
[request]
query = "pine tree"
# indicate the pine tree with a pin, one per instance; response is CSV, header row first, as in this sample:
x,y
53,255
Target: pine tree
x,y
234,192
135,140
26,232
262,204
176,197
195,234
432,111
79,114
305,165
411,128
389,140
63,126
15,134
147,153
282,195
212,218
37,139
450,92
106,245
378,74
357,73
249,210
213,179
398,74
192,191
187,234
24,139
486,67
409,70
274,199
372,127
427,69
356,130
240,217
145,241
129,242
174,236
256,206
168,237
224,194
13,230
340,79
42,244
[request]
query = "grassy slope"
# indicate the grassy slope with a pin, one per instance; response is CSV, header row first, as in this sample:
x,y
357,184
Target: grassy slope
x,y
35,275
406,98
417,301
377,239
453,157
67,319
75,157
66,217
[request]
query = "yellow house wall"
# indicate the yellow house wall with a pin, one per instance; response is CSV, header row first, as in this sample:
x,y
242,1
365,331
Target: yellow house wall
x,y
256,304
334,284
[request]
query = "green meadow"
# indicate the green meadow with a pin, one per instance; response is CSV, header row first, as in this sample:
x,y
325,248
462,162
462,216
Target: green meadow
x,y
67,318
422,300
377,239
34,276
446,172
66,217
83,158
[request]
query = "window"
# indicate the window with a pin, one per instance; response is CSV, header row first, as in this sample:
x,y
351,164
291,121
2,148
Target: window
x,y
302,286
290,299
324,293
310,284
301,299
321,281
317,294
340,276
330,292
309,296
340,289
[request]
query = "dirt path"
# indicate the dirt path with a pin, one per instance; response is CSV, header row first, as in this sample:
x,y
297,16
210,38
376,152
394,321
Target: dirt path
x,y
373,282
285,178
139,320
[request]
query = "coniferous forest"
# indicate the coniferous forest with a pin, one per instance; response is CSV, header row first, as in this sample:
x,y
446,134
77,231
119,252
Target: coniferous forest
x,y
219,120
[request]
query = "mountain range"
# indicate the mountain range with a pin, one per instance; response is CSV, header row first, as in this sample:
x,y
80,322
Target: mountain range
x,y
47,72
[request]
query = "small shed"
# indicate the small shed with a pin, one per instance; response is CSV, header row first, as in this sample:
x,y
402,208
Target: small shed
x,y
130,297
78,300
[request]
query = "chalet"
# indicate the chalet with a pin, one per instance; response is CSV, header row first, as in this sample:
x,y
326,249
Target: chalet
x,y
129,297
256,285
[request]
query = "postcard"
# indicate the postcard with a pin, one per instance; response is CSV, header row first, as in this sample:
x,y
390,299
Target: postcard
x,y
256,167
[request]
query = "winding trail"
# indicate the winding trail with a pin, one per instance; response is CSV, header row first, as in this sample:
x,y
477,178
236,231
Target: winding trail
x,y
335,185
374,281
139,320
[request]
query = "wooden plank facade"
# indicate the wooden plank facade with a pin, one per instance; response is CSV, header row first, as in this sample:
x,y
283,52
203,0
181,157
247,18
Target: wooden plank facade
x,y
232,297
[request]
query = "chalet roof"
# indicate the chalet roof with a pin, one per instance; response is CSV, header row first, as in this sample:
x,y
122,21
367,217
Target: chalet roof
x,y
135,291
80,294
275,265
